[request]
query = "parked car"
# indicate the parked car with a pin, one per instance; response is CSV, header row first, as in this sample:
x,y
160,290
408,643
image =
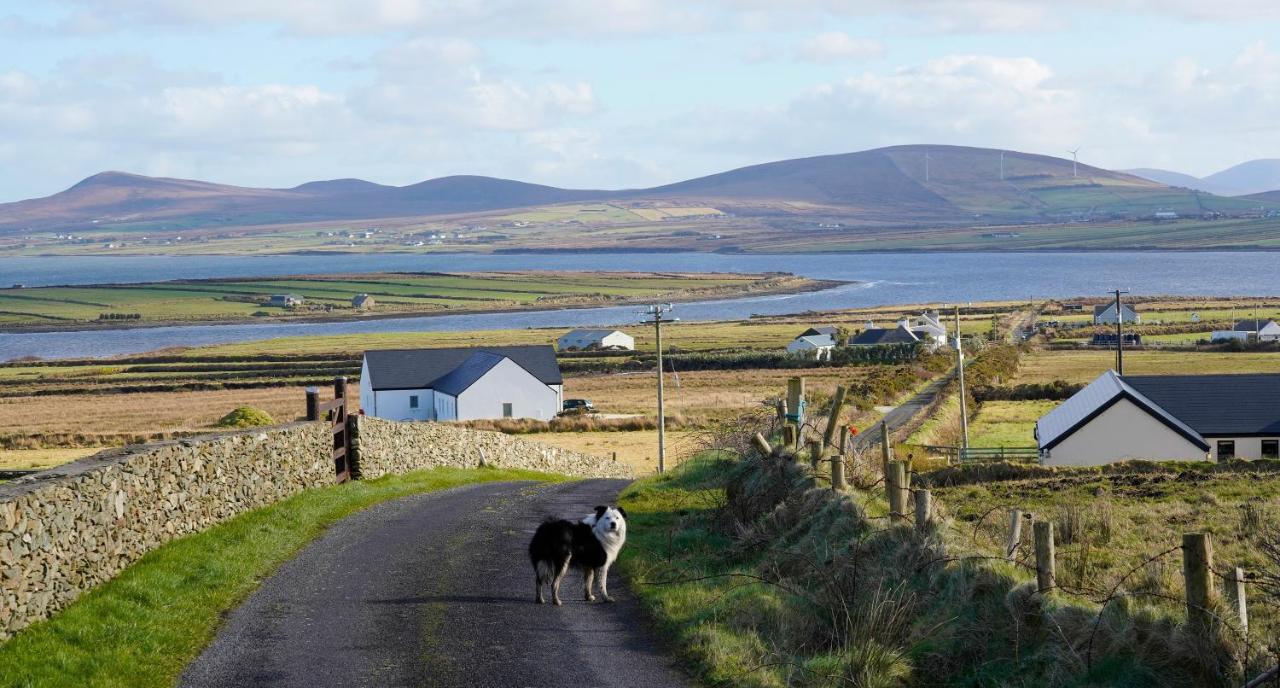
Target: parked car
x,y
577,406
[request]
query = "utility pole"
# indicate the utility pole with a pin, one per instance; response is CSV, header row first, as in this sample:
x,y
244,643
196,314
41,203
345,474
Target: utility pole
x,y
964,403
1119,333
654,314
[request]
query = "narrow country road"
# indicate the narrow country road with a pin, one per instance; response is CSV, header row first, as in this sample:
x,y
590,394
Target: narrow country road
x,y
902,414
436,590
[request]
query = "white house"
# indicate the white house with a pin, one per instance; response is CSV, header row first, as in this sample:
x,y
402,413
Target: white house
x,y
1105,314
815,346
928,328
1164,417
599,339
462,383
1250,330
877,336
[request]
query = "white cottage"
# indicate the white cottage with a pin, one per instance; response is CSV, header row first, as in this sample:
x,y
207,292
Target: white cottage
x,y
597,339
1250,330
462,383
815,346
1105,314
1164,417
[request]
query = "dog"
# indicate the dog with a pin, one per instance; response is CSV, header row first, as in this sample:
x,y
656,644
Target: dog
x,y
590,545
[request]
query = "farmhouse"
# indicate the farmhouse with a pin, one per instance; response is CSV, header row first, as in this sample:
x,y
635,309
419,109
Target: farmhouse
x,y
596,339
928,327
284,300
462,383
1165,417
815,346
877,336
1105,314
362,302
1249,330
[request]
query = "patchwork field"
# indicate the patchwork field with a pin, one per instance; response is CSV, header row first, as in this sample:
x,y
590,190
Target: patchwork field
x,y
330,296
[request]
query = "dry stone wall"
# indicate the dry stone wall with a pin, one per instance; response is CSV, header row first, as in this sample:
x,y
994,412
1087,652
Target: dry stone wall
x,y
66,530
385,446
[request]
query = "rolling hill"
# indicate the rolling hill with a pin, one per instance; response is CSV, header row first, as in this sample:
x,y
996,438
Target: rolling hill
x,y
897,185
1247,178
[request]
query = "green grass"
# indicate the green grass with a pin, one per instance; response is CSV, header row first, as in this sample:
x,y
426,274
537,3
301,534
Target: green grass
x,y
1007,423
143,627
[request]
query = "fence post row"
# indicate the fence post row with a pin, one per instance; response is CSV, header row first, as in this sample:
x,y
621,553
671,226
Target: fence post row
x,y
1015,534
896,487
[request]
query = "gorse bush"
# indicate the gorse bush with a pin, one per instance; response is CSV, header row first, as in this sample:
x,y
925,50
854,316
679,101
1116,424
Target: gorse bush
x,y
246,417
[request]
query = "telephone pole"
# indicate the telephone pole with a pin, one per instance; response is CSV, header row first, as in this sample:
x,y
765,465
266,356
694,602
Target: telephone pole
x,y
1119,333
655,314
964,403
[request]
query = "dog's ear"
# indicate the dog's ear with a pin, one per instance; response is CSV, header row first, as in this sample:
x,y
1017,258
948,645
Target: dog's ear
x,y
621,511
600,511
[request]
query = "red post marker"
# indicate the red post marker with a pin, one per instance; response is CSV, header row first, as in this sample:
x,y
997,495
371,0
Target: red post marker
x,y
852,431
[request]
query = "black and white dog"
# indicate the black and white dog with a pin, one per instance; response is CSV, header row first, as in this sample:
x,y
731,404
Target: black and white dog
x,y
590,545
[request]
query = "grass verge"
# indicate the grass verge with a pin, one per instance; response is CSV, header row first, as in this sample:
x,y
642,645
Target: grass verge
x,y
143,627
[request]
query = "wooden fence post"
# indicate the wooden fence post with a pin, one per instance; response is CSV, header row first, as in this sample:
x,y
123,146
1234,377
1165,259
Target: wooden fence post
x,y
1046,571
795,409
844,440
896,487
837,473
829,437
789,435
924,510
815,453
313,403
1197,572
1236,593
762,445
1015,534
886,452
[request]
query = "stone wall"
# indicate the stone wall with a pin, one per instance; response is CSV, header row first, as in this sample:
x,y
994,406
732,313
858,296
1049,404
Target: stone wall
x,y
66,530
385,446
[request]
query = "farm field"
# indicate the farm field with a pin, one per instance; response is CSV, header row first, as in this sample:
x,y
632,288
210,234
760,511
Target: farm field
x,y
638,448
330,296
1007,423
1044,365
23,459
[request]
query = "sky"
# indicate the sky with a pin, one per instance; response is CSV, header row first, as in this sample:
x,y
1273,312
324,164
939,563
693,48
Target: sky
x,y
617,93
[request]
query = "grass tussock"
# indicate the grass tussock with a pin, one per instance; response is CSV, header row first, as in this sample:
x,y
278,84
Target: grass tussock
x,y
765,577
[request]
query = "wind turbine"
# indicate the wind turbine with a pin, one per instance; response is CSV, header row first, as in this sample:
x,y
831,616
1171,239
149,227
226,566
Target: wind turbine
x,y
1074,160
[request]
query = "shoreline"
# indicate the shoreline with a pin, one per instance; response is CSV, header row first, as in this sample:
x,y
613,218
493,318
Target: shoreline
x,y
812,285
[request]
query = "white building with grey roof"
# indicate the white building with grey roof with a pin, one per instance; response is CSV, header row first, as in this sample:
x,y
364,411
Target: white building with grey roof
x,y
462,383
596,339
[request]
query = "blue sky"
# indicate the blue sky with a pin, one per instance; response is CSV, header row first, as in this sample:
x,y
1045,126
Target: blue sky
x,y
617,93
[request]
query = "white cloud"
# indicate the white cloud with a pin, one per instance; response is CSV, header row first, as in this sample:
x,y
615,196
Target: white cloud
x,y
838,45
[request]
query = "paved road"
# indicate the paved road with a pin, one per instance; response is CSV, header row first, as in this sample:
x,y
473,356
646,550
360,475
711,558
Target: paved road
x,y
901,415
436,590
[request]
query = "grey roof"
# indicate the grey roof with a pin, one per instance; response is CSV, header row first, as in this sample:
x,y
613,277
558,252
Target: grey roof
x,y
467,372
829,330
1251,325
588,333
1103,308
425,368
817,340
1217,405
870,337
1096,397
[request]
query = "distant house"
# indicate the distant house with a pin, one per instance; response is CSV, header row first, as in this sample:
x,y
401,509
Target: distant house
x,y
362,302
878,336
462,383
1165,215
928,327
1249,330
1109,339
1073,308
1105,314
829,330
285,300
815,346
596,339
1166,417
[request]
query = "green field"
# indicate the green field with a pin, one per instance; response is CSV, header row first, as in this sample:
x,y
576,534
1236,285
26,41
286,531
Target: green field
x,y
394,293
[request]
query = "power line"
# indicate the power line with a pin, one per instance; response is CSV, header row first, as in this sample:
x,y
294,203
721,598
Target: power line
x,y
655,314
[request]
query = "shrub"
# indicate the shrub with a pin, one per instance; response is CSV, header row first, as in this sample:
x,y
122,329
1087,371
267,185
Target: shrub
x,y
246,417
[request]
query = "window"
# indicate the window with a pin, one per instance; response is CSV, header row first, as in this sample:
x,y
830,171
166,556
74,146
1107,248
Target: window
x,y
413,401
1271,449
507,412
1226,450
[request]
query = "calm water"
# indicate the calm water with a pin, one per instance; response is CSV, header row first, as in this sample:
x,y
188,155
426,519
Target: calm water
x,y
882,279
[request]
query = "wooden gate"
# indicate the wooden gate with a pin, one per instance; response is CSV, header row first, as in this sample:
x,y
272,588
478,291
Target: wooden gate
x,y
336,411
